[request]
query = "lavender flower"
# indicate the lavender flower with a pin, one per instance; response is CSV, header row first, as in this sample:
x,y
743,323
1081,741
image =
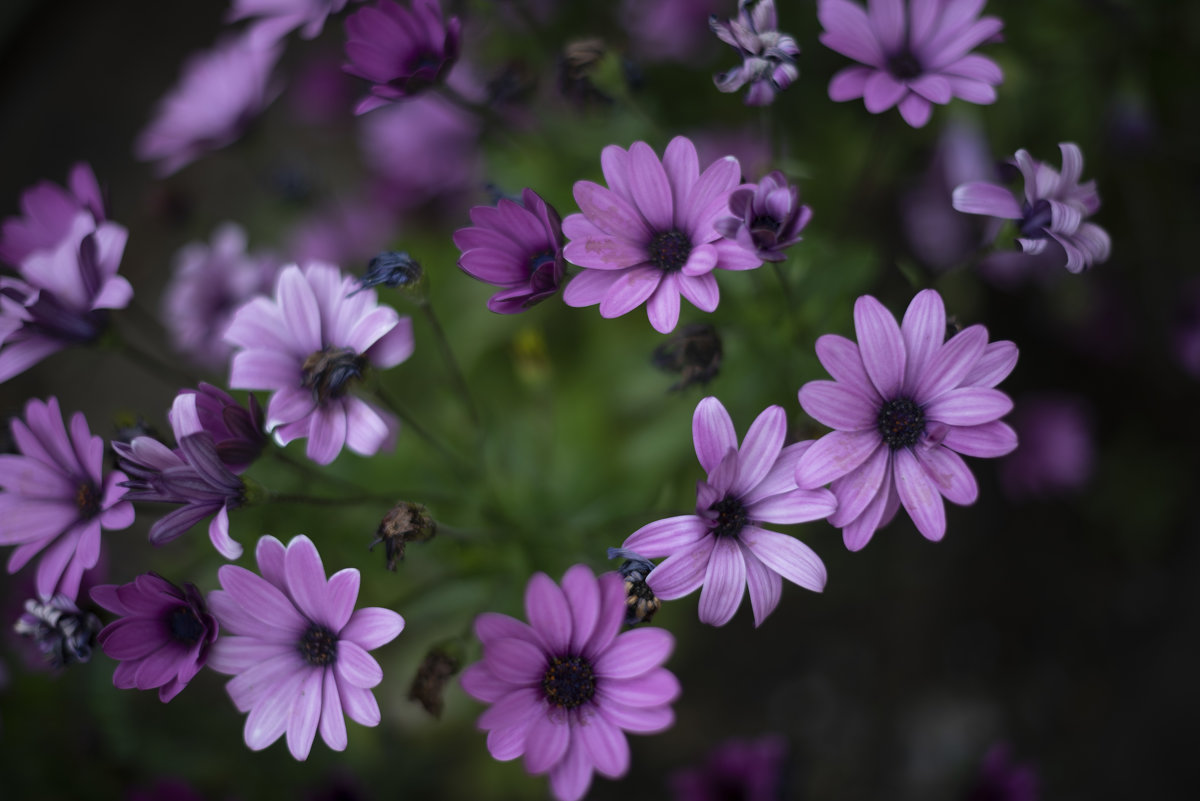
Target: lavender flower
x,y
1055,207
565,689
768,56
1058,446
56,499
219,93
298,650
401,52
915,54
311,344
163,636
749,770
277,18
517,247
722,546
767,217
236,431
48,214
64,634
904,405
650,237
669,30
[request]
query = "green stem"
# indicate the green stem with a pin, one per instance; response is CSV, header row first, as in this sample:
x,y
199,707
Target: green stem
x,y
402,413
152,364
456,373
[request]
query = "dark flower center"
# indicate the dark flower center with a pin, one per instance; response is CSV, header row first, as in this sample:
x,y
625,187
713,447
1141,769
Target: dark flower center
x,y
901,423
569,682
540,260
87,498
185,626
731,517
669,251
764,222
329,372
1036,219
318,646
904,65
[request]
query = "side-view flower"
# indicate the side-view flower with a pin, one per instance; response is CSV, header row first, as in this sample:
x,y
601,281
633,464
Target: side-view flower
x,y
768,56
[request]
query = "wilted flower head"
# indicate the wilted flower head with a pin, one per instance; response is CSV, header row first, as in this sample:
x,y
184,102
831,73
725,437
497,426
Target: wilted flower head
x,y
750,770
401,52
640,601
768,56
162,637
517,247
1055,206
437,668
914,54
767,217
694,352
55,498
277,18
64,634
404,523
219,93
391,268
236,430
48,213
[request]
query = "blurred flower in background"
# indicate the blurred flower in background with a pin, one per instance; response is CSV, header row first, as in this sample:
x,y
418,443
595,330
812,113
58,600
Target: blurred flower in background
x,y
670,30
275,19
768,55
747,770
1057,450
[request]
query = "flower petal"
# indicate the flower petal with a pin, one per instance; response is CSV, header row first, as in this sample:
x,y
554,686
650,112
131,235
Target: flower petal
x,y
919,495
787,556
724,583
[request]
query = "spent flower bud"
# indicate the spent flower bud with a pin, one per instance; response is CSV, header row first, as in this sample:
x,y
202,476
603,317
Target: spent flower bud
x,y
404,523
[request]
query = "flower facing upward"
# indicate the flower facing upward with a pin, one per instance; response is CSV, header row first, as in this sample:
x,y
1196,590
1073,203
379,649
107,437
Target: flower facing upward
x,y
723,547
768,56
163,636
565,688
517,247
914,54
767,217
298,648
311,344
904,405
401,52
1055,207
649,237
56,499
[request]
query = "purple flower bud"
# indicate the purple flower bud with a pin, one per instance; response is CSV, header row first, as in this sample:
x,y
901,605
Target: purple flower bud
x,y
767,217
769,57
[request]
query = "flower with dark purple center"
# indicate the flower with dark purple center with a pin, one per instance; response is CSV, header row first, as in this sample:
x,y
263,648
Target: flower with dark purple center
x,y
64,634
767,217
768,56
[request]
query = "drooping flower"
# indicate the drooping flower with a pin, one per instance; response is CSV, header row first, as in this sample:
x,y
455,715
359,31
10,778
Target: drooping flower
x,y
723,546
913,54
56,498
767,217
1055,207
566,687
903,405
650,236
517,247
219,93
163,636
275,19
193,477
768,56
208,282
750,770
401,51
297,648
63,633
310,344
236,430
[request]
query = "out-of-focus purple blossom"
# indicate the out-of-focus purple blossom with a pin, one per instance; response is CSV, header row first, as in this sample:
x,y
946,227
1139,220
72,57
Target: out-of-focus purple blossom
x,y
275,19
309,345
749,147
208,282
64,634
219,93
768,56
48,213
767,217
163,635
669,30
1002,779
343,233
748,770
237,431
56,498
321,91
913,54
401,51
517,247
1057,450
1055,207
1187,330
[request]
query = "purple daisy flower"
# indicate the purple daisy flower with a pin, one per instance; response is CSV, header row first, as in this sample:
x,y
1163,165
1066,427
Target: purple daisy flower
x,y
768,56
298,650
401,52
48,213
904,404
56,499
767,217
219,93
650,236
748,770
1055,207
517,247
163,637
311,344
915,54
723,546
277,18
565,688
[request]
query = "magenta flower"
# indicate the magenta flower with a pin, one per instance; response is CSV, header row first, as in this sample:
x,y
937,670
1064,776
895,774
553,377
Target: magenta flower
x,y
915,54
650,237
904,405
723,546
310,344
277,18
565,689
56,498
517,247
219,93
298,650
236,430
48,214
767,217
163,636
401,52
1055,207
768,56
748,770
669,30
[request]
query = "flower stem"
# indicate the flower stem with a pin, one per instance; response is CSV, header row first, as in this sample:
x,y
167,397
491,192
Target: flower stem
x,y
152,364
420,430
456,374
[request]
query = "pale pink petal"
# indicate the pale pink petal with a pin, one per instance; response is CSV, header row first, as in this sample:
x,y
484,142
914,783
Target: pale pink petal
x,y
667,536
843,360
760,448
662,307
764,584
969,406
356,667
333,721
988,440
787,556
881,345
631,289
981,197
924,330
370,626
302,725
683,572
839,405
713,433
859,487
834,455
515,661
650,188
949,474
950,364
